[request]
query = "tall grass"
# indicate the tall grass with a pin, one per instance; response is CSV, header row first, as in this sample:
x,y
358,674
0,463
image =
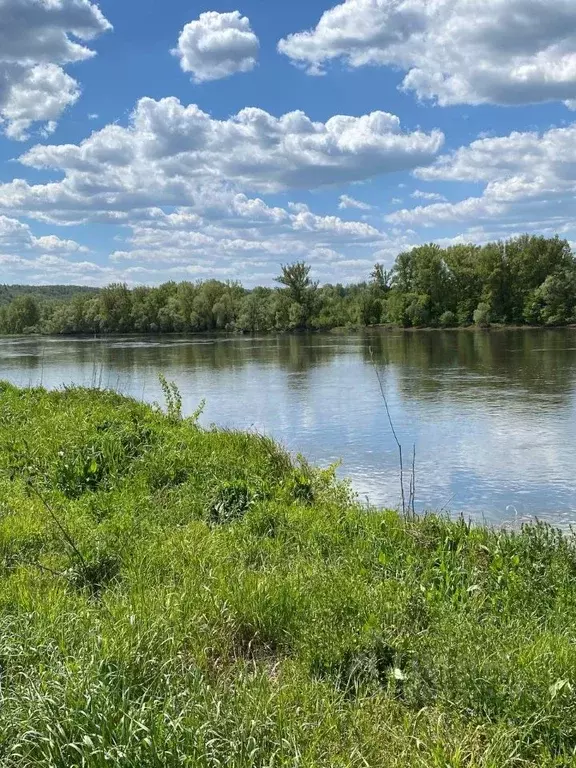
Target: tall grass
x,y
171,596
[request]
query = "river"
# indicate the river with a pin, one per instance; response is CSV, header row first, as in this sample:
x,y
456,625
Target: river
x,y
491,414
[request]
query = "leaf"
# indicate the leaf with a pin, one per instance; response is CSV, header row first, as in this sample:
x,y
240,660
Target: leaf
x,y
559,687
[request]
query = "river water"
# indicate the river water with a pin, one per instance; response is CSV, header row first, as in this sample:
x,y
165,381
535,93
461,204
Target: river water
x,y
492,414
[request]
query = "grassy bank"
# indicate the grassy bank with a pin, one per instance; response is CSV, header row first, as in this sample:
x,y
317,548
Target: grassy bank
x,y
177,597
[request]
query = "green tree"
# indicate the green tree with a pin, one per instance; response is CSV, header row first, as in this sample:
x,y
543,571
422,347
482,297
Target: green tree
x,y
22,315
116,309
554,302
483,315
380,278
301,291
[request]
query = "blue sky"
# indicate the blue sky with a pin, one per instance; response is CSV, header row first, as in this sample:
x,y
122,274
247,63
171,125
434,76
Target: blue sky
x,y
145,141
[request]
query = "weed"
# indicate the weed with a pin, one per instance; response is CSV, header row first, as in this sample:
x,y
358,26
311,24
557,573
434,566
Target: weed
x,y
231,502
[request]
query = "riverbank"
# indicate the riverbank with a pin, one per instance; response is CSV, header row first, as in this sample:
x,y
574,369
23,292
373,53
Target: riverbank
x,y
173,596
336,331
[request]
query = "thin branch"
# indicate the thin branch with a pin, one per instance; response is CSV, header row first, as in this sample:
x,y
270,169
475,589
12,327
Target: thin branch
x,y
382,390
45,568
413,481
445,507
61,527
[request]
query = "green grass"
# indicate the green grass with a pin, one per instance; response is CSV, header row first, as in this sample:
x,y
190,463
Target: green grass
x,y
171,596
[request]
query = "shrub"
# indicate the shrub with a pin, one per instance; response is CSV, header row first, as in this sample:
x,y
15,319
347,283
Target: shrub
x,y
448,319
482,315
231,502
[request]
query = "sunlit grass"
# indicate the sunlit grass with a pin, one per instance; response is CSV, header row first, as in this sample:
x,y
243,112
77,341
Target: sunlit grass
x,y
171,596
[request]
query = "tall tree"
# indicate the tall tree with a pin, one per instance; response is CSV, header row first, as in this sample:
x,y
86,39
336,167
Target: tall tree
x,y
301,290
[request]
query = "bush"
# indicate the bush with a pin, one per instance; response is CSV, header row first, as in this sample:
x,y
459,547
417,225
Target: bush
x,y
482,315
448,319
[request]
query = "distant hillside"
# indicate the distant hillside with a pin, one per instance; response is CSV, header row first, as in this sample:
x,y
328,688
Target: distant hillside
x,y
55,292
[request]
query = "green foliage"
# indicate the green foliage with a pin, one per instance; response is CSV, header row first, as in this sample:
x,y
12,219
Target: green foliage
x,y
172,397
231,502
448,319
42,292
528,279
301,291
483,315
22,315
200,599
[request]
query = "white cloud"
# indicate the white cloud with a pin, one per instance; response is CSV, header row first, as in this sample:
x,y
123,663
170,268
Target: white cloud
x,y
217,45
55,270
53,243
37,37
38,94
251,249
473,208
310,222
23,256
529,182
453,51
17,236
349,202
551,154
419,194
180,156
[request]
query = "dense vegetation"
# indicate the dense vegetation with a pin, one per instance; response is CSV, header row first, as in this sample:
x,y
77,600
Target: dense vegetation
x,y
528,280
173,597
42,292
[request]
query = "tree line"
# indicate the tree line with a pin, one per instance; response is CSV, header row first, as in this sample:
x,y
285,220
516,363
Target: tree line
x,y
526,280
49,292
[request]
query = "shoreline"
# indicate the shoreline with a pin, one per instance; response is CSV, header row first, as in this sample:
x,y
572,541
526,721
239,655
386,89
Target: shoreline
x,y
340,331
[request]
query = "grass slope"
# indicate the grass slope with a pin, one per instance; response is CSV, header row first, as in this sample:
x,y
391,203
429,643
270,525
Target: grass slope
x,y
177,597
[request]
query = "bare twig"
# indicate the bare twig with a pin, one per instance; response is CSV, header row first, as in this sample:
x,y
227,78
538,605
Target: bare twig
x,y
398,444
45,568
445,507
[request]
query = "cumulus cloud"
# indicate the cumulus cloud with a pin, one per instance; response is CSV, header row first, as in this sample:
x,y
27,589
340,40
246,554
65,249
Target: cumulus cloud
x,y
17,236
23,256
306,220
420,194
529,181
171,154
40,93
173,236
473,208
56,270
186,186
37,37
251,246
454,52
350,202
217,45
551,154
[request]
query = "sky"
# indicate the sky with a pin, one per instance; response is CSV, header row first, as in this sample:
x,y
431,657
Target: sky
x,y
145,141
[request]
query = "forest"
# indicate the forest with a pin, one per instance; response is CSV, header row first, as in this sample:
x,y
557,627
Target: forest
x,y
42,292
528,280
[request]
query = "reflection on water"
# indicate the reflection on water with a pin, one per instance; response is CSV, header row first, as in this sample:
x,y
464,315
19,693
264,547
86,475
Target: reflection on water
x,y
491,414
